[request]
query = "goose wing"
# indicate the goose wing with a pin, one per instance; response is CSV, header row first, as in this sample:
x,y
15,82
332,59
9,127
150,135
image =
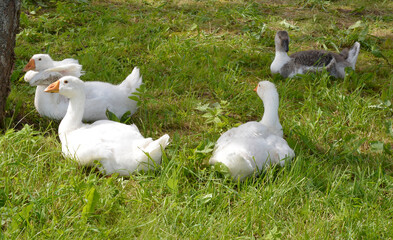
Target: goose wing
x,y
43,78
69,69
312,58
102,140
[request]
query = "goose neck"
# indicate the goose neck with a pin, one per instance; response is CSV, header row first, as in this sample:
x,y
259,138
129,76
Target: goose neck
x,y
270,115
73,117
281,54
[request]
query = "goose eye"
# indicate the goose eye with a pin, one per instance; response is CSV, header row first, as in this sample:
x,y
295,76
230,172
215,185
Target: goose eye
x,y
39,59
65,81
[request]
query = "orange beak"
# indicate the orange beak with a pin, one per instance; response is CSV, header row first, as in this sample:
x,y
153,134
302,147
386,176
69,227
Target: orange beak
x,y
30,65
256,88
53,88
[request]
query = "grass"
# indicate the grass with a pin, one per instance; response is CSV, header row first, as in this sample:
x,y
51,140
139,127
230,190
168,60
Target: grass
x,y
200,61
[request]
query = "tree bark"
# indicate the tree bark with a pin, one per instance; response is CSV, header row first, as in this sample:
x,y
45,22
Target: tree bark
x,y
9,21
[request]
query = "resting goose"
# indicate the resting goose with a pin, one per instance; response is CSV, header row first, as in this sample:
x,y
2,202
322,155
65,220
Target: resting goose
x,y
44,63
119,148
311,60
100,96
252,146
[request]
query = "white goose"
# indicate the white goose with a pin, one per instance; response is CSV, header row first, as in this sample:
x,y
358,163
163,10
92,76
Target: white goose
x,y
311,60
100,96
44,63
119,148
253,146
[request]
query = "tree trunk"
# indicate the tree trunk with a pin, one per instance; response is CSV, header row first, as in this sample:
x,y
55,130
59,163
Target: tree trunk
x,y
9,21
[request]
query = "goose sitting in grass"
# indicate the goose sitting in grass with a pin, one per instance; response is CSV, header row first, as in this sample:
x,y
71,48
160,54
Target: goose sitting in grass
x,y
252,146
100,96
118,147
311,60
43,63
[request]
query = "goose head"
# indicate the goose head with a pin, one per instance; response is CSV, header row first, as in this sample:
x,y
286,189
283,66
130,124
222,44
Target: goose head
x,y
267,91
67,86
282,41
39,62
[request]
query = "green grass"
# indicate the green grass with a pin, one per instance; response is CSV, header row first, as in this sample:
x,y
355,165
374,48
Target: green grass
x,y
200,61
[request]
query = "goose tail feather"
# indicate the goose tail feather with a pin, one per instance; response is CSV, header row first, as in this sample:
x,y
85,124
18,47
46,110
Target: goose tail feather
x,y
353,54
154,148
133,81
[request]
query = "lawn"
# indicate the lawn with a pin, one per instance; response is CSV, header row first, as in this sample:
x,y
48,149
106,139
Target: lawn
x,y
200,61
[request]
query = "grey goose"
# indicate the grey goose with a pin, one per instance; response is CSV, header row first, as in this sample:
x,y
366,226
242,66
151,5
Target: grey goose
x,y
311,60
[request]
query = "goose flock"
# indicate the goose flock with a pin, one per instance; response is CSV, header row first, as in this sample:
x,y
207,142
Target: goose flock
x,y
120,148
